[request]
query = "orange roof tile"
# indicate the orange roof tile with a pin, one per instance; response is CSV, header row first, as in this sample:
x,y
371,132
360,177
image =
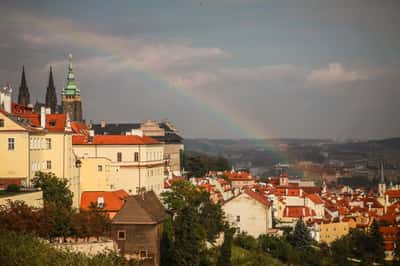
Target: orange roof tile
x,y
79,128
114,140
315,198
258,197
113,200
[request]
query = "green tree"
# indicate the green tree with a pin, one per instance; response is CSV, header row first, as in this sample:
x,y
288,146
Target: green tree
x,y
196,219
246,241
167,244
225,257
301,237
376,243
278,247
189,238
55,190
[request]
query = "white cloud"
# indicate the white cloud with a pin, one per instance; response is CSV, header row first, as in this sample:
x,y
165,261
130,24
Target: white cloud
x,y
335,73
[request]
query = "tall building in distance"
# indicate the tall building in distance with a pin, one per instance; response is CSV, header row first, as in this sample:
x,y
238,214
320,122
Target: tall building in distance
x,y
23,93
71,96
51,95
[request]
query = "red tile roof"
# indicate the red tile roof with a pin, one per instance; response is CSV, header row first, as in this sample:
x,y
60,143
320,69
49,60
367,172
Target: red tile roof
x,y
315,198
114,140
56,122
113,200
393,193
258,197
79,128
298,212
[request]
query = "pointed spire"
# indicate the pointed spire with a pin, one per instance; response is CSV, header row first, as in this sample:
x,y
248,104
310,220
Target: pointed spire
x,y
71,89
23,94
382,174
51,95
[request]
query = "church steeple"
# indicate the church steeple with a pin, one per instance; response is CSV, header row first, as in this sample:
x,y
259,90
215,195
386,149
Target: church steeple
x,y
71,89
23,94
71,96
51,96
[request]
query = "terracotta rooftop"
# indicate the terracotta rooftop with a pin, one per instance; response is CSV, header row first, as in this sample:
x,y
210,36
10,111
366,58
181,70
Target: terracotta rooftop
x,y
113,200
258,197
114,140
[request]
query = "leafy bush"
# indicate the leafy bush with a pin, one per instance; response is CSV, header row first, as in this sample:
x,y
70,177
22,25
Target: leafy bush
x,y
13,188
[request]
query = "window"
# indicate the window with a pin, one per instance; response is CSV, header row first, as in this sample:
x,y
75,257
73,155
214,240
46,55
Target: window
x,y
11,144
121,235
143,254
119,156
99,168
48,165
238,218
48,143
52,123
100,202
1,122
136,157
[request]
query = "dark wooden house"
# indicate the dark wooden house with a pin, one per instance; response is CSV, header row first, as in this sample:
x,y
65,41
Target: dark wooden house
x,y
137,228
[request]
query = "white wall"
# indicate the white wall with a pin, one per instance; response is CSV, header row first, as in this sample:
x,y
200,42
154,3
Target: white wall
x,y
255,218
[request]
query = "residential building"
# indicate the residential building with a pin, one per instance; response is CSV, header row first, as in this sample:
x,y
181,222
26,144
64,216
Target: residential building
x,y
249,212
164,132
137,228
112,162
38,142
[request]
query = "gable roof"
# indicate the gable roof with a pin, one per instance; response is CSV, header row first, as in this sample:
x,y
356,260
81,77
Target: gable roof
x,y
141,209
258,197
315,198
79,128
113,200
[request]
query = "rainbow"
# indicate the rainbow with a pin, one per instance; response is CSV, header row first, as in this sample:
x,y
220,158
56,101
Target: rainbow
x,y
231,118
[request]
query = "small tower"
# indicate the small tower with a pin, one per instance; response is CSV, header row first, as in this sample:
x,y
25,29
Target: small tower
x,y
71,96
23,93
382,185
51,96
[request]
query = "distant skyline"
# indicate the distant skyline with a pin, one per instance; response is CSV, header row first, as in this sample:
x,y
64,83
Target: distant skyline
x,y
217,68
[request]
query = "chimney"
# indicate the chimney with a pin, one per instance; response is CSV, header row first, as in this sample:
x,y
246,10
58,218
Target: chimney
x,y
48,111
91,136
43,117
102,124
304,211
137,132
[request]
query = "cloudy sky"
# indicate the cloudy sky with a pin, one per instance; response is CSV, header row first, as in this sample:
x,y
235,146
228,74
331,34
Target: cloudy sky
x,y
217,68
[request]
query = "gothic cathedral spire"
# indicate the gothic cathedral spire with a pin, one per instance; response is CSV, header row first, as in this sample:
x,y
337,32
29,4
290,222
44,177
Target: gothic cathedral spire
x,y
23,94
51,96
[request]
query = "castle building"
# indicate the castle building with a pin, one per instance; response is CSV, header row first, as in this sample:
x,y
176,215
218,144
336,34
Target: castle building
x,y
23,94
71,96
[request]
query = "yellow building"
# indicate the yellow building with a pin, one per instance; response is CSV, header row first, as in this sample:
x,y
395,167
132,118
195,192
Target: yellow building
x,y
112,162
329,232
30,142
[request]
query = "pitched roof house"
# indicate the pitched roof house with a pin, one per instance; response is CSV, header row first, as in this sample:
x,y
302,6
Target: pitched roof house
x,y
137,228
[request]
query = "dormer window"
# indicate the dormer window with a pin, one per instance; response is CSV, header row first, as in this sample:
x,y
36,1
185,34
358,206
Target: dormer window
x,y
100,202
52,123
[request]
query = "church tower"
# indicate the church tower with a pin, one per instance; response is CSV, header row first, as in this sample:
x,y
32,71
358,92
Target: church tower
x,y
382,184
71,96
51,96
23,93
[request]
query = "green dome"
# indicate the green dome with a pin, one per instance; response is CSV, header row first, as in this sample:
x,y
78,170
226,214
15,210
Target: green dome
x,y
71,89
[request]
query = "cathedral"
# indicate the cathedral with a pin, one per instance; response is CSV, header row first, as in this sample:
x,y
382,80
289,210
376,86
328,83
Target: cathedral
x,y
70,95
